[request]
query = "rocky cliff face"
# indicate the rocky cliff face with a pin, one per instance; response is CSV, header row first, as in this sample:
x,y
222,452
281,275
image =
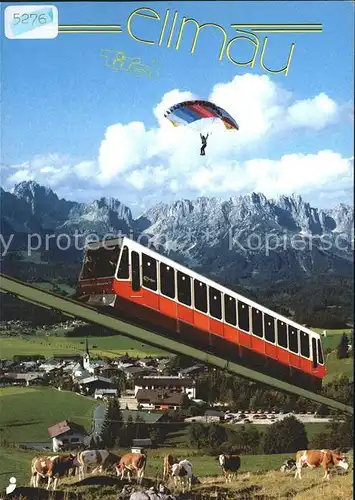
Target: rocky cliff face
x,y
246,238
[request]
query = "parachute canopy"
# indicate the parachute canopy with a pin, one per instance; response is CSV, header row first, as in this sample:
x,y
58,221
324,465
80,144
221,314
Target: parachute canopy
x,y
191,111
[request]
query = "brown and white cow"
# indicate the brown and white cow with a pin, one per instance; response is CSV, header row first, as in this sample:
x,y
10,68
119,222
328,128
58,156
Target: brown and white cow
x,y
168,463
132,462
315,458
99,459
51,467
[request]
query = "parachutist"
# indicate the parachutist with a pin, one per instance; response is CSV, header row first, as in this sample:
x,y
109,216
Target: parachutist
x,y
204,143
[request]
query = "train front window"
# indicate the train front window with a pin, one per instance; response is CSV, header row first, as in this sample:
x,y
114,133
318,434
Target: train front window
x,y
320,352
304,337
100,262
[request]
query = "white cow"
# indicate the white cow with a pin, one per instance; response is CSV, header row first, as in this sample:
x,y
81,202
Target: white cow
x,y
182,473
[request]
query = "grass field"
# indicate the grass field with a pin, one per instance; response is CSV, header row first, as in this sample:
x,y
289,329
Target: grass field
x,y
27,412
115,345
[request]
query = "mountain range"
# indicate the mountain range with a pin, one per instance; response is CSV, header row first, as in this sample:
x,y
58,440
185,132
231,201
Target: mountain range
x,y
282,252
246,238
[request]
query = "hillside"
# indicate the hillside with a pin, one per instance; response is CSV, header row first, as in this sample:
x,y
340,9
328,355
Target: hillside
x,y
27,412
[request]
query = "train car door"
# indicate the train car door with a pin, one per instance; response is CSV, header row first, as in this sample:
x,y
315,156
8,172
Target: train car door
x,y
314,353
136,275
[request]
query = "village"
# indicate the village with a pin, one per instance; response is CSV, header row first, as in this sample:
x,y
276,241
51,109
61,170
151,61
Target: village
x,y
144,387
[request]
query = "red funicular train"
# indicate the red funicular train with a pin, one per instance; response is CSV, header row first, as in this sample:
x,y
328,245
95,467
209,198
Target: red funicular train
x,y
152,290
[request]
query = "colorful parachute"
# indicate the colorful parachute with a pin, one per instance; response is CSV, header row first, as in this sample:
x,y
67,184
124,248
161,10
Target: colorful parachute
x,y
191,111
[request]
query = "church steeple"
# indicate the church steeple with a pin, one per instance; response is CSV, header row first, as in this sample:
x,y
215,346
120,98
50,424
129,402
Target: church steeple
x,y
86,356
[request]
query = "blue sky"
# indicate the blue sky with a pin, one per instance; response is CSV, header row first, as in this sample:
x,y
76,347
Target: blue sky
x,y
59,101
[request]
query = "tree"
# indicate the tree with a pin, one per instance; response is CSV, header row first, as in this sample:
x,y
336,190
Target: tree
x,y
197,435
287,436
216,436
343,347
112,426
128,433
338,434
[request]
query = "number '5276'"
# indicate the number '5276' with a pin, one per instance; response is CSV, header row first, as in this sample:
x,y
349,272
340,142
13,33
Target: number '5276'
x,y
26,18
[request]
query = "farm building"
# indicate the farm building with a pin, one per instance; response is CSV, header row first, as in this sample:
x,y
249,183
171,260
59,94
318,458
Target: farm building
x,y
66,434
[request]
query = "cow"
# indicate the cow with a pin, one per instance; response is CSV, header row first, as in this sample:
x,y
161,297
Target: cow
x,y
132,462
182,472
168,462
51,467
99,459
315,458
289,465
230,465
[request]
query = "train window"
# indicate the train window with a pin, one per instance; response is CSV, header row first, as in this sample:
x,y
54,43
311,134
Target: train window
x,y
230,311
243,316
200,291
184,288
136,278
304,338
269,328
101,262
167,280
281,333
215,303
292,339
257,318
149,272
320,352
314,353
89,265
123,268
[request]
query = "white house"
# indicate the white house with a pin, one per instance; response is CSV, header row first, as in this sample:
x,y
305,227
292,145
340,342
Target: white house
x,y
169,383
66,434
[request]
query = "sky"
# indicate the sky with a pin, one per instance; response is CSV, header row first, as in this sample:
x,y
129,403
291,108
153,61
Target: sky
x,y
71,122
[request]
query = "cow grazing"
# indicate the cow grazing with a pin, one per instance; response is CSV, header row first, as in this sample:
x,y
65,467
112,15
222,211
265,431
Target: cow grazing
x,y
182,473
289,465
99,459
168,462
132,462
315,458
51,467
230,465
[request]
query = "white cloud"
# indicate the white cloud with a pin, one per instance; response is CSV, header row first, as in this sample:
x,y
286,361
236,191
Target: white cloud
x,y
133,161
314,113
